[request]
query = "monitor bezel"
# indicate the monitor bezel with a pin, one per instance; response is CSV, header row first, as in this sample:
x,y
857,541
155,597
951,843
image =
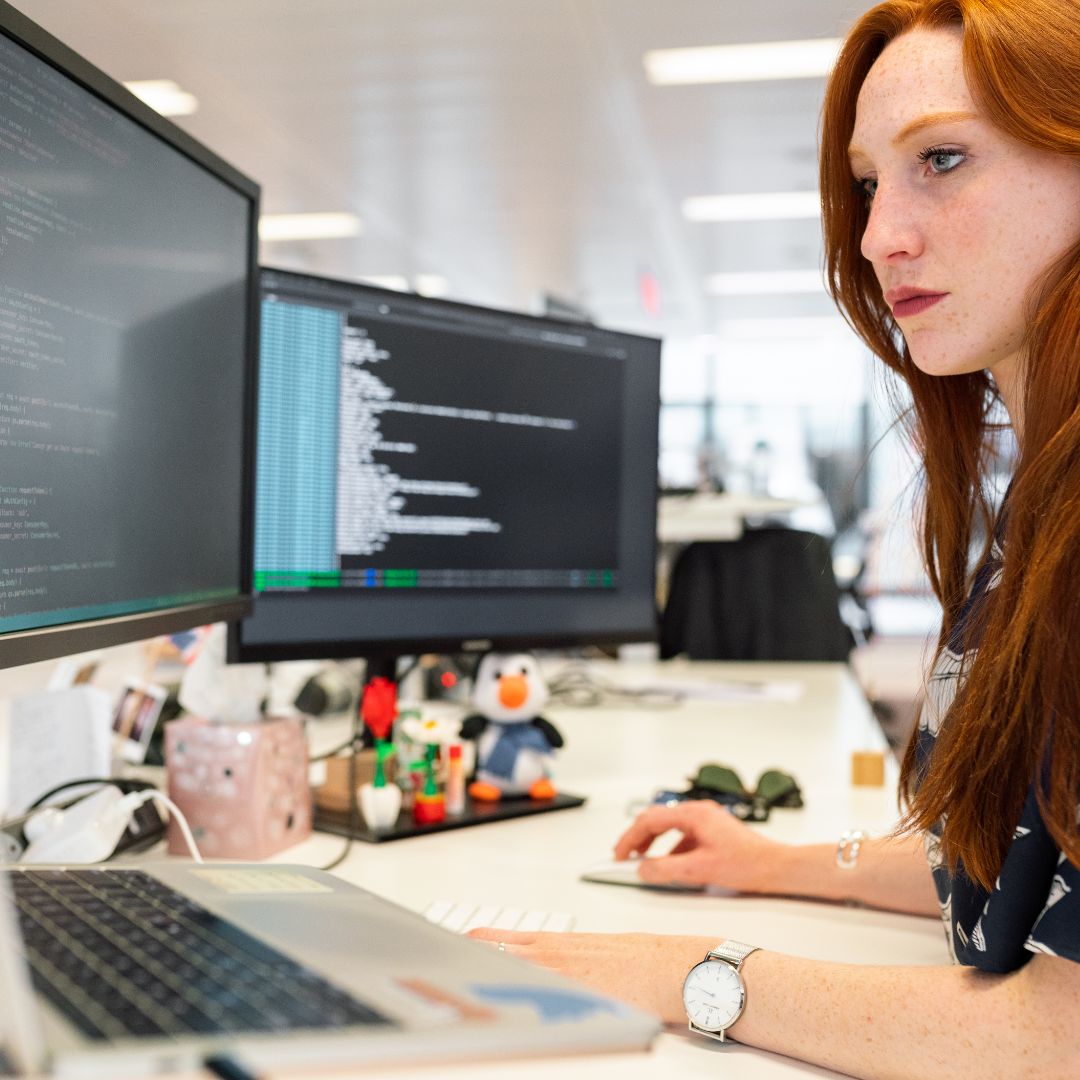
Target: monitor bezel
x,y
50,642
240,651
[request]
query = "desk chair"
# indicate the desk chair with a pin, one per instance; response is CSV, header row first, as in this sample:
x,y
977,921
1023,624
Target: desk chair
x,y
770,595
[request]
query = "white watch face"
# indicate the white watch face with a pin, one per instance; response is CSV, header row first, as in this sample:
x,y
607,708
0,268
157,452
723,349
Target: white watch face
x,y
713,995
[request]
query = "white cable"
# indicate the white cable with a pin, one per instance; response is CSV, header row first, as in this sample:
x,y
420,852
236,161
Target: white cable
x,y
175,811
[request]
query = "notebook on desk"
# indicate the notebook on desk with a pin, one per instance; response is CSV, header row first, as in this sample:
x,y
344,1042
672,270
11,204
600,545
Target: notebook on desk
x,y
126,971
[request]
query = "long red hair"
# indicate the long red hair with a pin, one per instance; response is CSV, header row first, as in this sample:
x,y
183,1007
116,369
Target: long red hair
x,y
1016,720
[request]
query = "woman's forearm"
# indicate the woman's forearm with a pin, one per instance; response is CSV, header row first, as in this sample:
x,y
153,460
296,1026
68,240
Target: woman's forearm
x,y
902,1022
889,873
716,849
872,1022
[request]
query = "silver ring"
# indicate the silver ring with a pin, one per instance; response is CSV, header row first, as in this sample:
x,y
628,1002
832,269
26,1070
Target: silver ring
x,y
502,946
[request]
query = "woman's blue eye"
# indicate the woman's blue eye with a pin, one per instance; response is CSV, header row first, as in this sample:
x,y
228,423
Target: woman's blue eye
x,y
941,161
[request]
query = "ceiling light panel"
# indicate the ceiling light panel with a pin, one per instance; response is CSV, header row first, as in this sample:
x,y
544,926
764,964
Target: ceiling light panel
x,y
758,62
753,206
798,328
761,282
164,96
324,226
397,282
432,285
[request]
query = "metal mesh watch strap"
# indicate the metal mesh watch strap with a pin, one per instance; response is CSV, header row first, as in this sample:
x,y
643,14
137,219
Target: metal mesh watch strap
x,y
733,951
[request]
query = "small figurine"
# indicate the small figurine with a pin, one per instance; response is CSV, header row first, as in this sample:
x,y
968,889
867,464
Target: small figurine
x,y
513,742
429,805
432,736
380,802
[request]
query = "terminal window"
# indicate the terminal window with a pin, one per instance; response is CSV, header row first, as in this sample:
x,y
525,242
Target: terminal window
x,y
401,449
123,269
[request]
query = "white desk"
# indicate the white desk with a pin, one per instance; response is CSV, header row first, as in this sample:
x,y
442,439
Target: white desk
x,y
620,753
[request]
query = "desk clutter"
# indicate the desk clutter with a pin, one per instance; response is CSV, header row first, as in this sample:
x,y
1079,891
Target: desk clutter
x,y
248,790
245,786
243,781
413,780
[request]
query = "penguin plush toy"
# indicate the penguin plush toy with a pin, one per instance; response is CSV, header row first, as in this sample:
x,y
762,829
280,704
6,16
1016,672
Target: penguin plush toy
x,y
514,743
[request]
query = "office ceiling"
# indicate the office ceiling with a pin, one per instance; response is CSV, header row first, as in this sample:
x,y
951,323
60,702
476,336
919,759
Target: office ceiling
x,y
513,147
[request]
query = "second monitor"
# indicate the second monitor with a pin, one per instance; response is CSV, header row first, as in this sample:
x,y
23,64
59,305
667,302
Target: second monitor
x,y
434,476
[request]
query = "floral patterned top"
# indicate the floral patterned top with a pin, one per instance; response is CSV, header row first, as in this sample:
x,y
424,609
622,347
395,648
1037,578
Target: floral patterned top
x,y
1034,906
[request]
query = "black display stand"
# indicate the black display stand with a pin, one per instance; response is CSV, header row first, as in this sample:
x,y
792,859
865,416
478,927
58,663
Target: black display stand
x,y
476,813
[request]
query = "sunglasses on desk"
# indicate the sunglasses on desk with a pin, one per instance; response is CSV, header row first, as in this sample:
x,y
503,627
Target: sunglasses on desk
x,y
722,784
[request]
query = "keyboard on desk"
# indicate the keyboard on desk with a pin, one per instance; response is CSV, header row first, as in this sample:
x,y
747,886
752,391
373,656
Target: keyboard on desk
x,y
120,953
462,916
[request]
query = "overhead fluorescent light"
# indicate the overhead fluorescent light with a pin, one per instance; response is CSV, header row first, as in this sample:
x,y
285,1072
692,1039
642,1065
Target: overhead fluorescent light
x,y
795,327
432,285
164,96
753,206
397,282
308,226
742,63
765,282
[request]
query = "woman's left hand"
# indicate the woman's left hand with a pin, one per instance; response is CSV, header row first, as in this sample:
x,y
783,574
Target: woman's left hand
x,y
644,970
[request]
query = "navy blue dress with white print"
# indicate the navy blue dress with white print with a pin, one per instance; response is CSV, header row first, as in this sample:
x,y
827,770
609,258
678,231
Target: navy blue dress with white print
x,y
1034,906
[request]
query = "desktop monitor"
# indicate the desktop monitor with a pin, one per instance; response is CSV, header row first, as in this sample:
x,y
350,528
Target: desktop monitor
x,y
128,322
439,477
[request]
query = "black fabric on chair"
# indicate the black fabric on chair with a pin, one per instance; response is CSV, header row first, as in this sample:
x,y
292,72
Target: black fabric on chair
x,y
770,595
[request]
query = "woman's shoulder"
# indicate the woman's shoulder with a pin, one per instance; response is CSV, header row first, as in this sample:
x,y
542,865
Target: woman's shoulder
x,y
958,650
1034,906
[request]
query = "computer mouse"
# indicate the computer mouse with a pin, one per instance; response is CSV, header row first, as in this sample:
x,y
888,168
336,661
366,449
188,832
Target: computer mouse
x,y
625,872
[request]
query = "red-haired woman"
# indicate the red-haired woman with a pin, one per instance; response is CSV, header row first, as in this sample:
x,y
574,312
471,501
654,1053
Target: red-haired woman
x,y
950,182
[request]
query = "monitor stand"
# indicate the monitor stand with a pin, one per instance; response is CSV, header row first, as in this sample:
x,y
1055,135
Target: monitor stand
x,y
351,822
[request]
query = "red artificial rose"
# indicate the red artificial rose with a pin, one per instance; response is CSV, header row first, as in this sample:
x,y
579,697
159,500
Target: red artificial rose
x,y
378,707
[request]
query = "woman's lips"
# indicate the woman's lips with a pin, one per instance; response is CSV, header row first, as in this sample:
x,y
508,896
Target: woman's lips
x,y
916,305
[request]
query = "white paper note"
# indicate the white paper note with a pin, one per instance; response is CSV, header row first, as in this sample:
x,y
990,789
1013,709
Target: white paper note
x,y
53,737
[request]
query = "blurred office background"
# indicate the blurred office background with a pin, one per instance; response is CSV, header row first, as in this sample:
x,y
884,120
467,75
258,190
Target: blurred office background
x,y
551,157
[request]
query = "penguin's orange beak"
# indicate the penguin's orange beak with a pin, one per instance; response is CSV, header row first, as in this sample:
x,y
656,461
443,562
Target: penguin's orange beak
x,y
513,690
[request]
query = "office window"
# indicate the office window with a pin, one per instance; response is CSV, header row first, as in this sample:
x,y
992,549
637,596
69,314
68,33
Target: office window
x,y
796,409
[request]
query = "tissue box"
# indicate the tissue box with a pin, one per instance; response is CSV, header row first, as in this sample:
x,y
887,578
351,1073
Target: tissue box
x,y
242,787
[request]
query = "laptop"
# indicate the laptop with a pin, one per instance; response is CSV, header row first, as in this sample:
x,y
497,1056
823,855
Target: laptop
x,y
114,971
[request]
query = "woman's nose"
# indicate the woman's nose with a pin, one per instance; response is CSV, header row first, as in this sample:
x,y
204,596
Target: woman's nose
x,y
892,231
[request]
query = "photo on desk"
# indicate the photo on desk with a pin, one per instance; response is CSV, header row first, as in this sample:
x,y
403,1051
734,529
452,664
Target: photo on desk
x,y
135,718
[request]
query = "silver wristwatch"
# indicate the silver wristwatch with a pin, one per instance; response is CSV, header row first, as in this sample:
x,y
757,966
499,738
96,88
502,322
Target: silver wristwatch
x,y
714,992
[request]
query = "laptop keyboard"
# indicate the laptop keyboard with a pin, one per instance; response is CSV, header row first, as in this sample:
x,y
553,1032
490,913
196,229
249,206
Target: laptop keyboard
x,y
121,954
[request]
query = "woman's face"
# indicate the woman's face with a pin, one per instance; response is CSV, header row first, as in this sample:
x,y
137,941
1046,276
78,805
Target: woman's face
x,y
963,219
